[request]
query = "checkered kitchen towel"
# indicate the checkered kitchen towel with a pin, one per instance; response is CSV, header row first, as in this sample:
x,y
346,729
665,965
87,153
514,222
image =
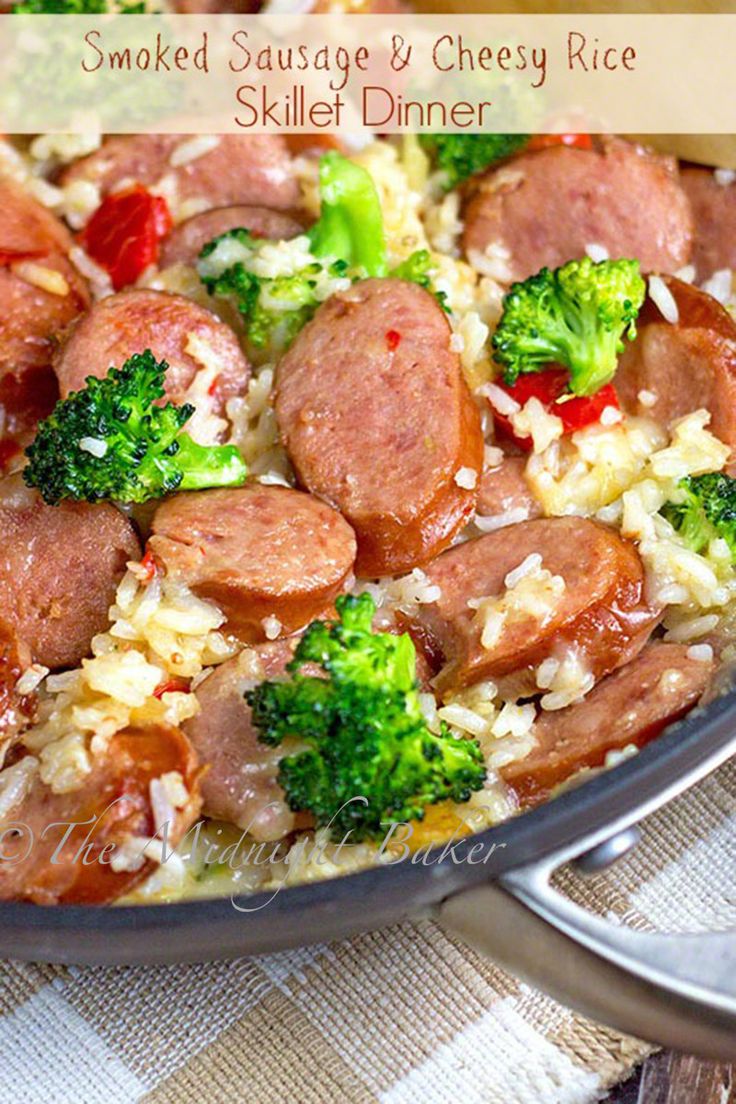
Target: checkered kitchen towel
x,y
398,1016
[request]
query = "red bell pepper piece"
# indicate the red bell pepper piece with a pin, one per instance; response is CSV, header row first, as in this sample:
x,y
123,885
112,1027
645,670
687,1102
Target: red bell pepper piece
x,y
148,562
172,686
551,388
577,141
123,234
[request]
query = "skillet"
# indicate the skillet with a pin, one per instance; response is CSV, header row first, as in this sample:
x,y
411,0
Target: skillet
x,y
492,889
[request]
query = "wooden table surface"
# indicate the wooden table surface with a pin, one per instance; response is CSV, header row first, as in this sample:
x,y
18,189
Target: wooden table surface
x,y
669,1078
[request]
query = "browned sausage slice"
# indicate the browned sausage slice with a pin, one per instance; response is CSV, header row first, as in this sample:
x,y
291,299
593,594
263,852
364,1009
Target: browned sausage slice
x,y
114,805
684,365
16,708
190,338
252,168
377,419
545,207
184,243
631,706
600,615
257,552
239,784
59,568
505,491
714,215
34,248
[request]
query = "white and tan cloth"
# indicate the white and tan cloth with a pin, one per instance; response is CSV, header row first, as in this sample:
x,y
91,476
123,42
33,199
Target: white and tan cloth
x,y
400,1016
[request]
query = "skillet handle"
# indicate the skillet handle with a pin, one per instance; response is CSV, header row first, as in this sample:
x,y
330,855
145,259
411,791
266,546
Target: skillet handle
x,y
675,990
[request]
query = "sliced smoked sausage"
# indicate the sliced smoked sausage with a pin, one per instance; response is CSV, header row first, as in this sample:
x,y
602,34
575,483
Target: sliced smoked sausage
x,y
684,365
186,240
188,337
101,859
16,709
240,782
377,419
257,552
505,491
631,706
714,219
59,568
601,614
41,292
546,207
236,168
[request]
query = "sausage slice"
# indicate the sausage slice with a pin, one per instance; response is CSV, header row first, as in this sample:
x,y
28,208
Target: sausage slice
x,y
238,168
504,490
377,420
59,569
257,552
631,706
114,805
714,216
601,614
186,240
240,781
545,207
16,709
685,365
34,246
189,337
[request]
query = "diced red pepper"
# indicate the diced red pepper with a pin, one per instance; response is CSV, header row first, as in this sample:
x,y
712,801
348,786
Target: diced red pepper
x,y
544,141
123,234
393,340
8,449
551,388
149,564
12,256
172,686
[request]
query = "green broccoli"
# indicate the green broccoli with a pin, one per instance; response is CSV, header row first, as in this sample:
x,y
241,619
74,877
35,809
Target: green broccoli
x,y
417,269
461,155
275,307
576,316
350,223
346,243
347,240
704,510
78,7
108,441
366,757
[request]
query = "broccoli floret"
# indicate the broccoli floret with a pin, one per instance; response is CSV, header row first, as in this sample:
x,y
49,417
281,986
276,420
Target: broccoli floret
x,y
368,758
417,269
275,307
347,242
576,316
350,223
705,508
78,7
108,441
461,155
